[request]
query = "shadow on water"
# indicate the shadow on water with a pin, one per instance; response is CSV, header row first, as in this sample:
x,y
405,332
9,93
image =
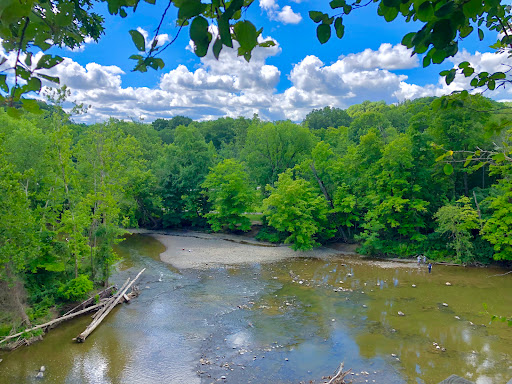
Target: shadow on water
x,y
285,322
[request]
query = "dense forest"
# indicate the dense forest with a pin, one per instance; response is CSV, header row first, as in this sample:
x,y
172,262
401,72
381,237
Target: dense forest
x,y
398,180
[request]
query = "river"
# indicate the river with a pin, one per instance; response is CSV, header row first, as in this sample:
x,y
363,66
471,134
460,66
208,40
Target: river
x,y
288,321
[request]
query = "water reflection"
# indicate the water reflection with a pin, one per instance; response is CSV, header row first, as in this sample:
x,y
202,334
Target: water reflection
x,y
284,322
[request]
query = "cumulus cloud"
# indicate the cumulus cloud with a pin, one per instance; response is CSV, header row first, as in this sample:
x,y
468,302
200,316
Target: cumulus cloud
x,y
232,87
285,15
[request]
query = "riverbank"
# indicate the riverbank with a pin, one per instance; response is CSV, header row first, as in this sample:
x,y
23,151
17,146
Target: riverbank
x,y
199,250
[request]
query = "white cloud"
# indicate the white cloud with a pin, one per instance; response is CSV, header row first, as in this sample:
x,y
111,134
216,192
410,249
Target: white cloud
x,y
386,57
286,15
80,48
232,87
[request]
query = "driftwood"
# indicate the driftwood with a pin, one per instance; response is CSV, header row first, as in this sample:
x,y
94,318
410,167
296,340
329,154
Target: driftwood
x,y
108,307
53,322
90,301
100,312
339,376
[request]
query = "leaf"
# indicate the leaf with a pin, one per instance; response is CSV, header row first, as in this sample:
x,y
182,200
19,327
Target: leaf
x,y
48,61
448,169
338,4
246,35
217,47
33,84
138,40
31,105
316,16
53,79
407,39
480,34
425,11
200,36
499,157
468,160
323,33
14,112
190,8
3,85
339,27
445,10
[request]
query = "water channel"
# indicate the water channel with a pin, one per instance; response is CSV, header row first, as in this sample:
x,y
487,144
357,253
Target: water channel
x,y
290,321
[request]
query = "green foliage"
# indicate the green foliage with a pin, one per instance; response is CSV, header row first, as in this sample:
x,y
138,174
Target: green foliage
x,y
457,221
76,289
498,227
230,195
294,208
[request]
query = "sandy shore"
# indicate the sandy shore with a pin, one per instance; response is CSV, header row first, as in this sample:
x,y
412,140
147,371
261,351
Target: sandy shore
x,y
200,250
190,249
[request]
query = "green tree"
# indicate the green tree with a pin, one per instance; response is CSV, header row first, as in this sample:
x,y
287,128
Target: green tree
x,y
295,208
327,117
185,167
272,148
230,194
457,221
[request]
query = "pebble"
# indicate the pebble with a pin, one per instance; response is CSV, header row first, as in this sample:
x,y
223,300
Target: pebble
x,y
448,283
414,285
400,313
393,355
445,305
457,317
333,320
42,369
39,375
286,359
365,306
223,377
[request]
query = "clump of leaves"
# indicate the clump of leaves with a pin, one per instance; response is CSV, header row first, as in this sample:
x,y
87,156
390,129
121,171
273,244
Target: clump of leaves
x,y
76,289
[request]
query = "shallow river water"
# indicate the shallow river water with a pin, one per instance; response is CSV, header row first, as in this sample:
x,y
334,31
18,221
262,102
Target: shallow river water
x,y
285,322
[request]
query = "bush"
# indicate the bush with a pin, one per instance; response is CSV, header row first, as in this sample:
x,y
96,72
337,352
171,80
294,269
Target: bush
x,y
76,289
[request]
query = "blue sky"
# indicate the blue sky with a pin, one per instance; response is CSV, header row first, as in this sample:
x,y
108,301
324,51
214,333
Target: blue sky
x,y
284,82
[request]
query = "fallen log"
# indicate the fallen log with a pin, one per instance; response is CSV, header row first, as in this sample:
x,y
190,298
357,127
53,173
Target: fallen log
x,y
53,322
103,294
111,300
109,306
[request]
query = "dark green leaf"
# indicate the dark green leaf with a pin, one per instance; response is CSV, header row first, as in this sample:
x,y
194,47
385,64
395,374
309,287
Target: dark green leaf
x,y
48,61
3,85
53,79
445,10
138,40
425,11
316,16
217,47
246,35
200,36
337,4
407,39
190,8
480,34
339,27
323,33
